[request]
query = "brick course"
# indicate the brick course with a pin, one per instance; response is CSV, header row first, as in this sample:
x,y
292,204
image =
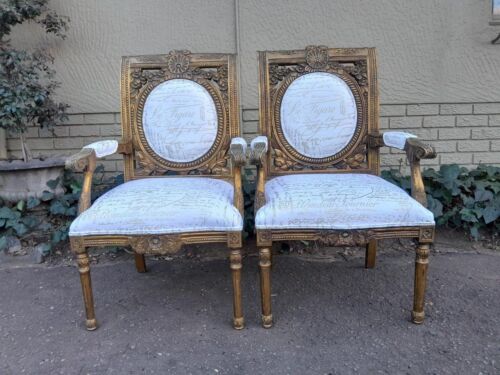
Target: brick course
x,y
463,133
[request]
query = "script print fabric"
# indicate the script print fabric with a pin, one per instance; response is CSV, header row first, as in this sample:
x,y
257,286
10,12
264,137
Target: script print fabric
x,y
338,201
318,114
103,148
397,139
160,206
180,120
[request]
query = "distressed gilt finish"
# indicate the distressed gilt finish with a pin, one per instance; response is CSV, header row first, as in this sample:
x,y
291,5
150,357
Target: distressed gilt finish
x,y
140,74
357,66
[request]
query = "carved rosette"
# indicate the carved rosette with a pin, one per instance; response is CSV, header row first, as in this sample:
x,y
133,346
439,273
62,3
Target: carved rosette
x,y
264,237
317,56
344,238
178,61
426,235
163,244
234,240
77,244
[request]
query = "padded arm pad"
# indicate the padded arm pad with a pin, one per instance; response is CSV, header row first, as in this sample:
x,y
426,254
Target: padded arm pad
x,y
238,150
258,148
397,139
103,148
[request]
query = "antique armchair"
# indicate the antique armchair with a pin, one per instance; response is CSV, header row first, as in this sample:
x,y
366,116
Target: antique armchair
x,y
182,166
318,162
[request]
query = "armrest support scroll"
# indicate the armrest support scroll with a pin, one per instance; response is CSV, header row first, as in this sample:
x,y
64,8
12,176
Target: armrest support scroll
x,y
258,151
237,151
415,151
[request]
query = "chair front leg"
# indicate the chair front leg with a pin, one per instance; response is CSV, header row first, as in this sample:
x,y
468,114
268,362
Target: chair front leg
x,y
421,265
140,262
82,259
235,264
265,286
371,254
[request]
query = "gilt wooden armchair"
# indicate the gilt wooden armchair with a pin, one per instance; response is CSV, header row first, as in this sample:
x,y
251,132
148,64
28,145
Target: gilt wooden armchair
x,y
318,162
182,166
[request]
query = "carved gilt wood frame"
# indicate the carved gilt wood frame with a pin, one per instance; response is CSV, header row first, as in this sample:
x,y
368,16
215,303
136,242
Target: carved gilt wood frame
x,y
357,66
140,74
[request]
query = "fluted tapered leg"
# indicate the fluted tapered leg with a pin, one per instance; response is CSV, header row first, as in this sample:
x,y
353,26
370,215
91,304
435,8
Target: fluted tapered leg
x,y
371,254
140,263
421,265
265,286
83,262
235,264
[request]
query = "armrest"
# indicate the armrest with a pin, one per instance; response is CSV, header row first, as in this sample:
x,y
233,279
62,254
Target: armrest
x,y
415,151
85,160
397,139
258,149
238,151
103,148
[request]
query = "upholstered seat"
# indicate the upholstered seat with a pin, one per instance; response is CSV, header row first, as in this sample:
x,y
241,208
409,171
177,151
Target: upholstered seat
x,y
318,162
338,201
161,206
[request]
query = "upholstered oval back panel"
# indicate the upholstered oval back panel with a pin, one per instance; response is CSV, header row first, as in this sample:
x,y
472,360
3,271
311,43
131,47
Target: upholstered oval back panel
x,y
179,120
318,114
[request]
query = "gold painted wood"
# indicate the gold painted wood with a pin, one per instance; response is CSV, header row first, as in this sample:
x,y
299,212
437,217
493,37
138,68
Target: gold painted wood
x,y
265,286
235,265
371,254
140,263
82,259
140,74
215,72
421,265
415,151
357,66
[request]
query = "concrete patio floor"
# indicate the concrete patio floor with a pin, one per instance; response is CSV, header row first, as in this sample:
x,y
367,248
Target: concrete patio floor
x,y
331,317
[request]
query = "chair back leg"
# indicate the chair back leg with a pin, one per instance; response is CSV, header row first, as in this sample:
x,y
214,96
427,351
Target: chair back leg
x,y
421,265
140,263
371,254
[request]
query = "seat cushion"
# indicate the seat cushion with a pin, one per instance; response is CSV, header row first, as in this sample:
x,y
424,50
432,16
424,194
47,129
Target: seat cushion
x,y
338,201
161,206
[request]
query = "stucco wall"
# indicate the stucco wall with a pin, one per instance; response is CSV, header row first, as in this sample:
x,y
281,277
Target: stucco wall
x,y
102,31
439,75
428,51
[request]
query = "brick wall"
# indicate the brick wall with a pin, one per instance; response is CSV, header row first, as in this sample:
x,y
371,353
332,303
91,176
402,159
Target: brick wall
x,y
467,134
